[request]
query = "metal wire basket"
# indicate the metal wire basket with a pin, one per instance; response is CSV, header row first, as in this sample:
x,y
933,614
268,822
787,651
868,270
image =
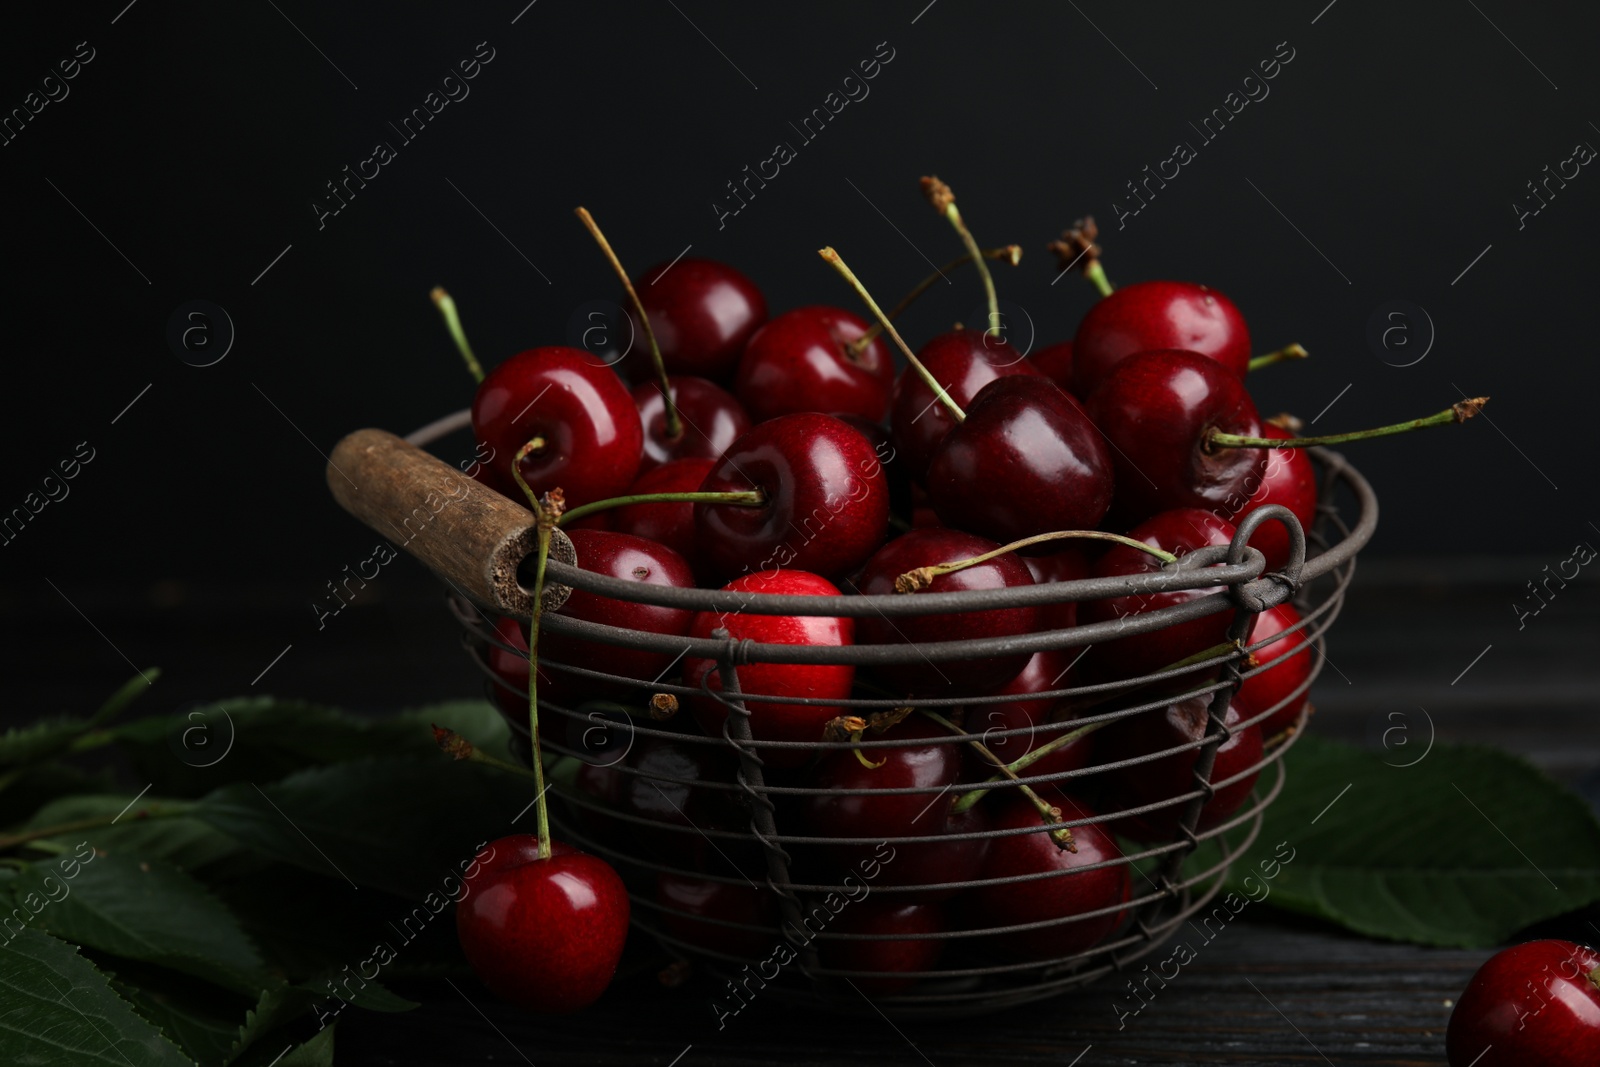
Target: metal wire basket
x,y
1168,889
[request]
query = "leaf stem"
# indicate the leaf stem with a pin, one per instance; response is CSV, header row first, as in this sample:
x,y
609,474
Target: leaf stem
x,y
452,322
663,383
745,497
914,580
1458,412
916,364
155,810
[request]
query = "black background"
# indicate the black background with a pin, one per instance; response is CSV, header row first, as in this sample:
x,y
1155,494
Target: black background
x,y
197,139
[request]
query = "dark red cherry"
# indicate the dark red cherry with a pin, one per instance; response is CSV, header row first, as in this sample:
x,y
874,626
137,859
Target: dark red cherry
x,y
1173,775
659,790
1151,315
510,692
544,934
1532,1005
773,721
1026,461
1290,666
668,524
1055,362
578,406
1156,409
924,548
1062,565
1068,894
1179,532
900,961
687,903
963,361
802,361
634,559
703,313
1046,671
710,416
827,499
1291,480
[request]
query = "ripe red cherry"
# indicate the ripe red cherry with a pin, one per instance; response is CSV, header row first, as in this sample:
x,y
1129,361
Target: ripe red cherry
x,y
875,817
1156,409
1055,362
544,934
578,406
686,904
1291,480
924,548
1065,565
616,555
668,524
802,361
711,420
771,721
1173,775
1291,662
1151,315
1532,1005
1179,532
1026,461
900,960
659,790
963,361
703,313
1072,892
827,499
1046,671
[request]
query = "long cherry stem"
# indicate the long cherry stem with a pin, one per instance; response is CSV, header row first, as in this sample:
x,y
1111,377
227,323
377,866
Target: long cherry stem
x,y
1061,835
1287,352
674,424
943,200
968,799
916,364
452,322
920,578
1011,254
1458,412
548,512
745,497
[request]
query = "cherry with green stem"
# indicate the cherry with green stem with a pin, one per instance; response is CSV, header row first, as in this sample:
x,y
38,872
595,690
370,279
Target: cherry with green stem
x,y
1460,411
1011,254
849,276
943,199
452,322
1051,814
674,423
920,578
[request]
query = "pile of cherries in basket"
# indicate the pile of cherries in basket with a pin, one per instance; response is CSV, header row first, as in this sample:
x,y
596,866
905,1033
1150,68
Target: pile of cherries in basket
x,y
786,454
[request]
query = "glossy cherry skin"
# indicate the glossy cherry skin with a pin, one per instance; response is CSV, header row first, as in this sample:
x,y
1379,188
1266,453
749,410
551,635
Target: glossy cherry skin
x,y
771,721
668,524
1291,661
1179,532
1291,480
1055,362
924,548
801,361
1026,461
712,420
827,499
1156,409
900,960
1062,565
688,902
545,935
703,313
1532,1005
1173,775
1150,315
1073,892
593,437
615,555
963,361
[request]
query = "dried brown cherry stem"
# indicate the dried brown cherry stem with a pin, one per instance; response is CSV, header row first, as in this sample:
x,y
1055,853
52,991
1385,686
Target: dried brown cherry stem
x,y
1077,248
1011,254
1460,411
458,747
915,580
1061,835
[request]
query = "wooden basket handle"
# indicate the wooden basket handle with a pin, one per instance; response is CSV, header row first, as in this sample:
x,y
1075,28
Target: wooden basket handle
x,y
468,534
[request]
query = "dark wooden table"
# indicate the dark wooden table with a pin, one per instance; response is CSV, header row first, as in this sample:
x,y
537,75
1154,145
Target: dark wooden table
x,y
1439,643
